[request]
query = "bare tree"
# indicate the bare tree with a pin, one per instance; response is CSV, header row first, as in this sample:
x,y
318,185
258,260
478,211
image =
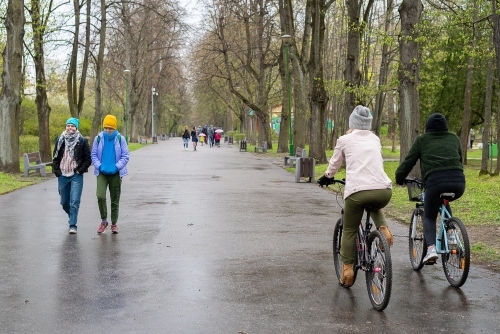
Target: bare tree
x,y
12,79
98,114
384,71
356,25
76,94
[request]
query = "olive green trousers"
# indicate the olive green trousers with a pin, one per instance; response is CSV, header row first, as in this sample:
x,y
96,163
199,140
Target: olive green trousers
x,y
353,213
114,182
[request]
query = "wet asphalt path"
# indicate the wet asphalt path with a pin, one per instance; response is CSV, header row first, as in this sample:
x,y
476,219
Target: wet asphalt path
x,y
213,241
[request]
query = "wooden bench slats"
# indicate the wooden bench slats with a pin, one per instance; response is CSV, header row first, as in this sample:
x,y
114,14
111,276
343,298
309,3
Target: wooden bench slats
x,y
38,166
305,169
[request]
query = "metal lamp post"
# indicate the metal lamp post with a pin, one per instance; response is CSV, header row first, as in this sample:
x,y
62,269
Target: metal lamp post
x,y
153,94
287,39
127,73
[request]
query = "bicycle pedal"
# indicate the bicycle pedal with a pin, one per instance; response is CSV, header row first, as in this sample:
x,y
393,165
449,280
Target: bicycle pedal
x,y
430,263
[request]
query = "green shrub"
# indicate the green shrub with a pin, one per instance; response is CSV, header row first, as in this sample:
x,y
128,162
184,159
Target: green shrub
x,y
230,133
239,136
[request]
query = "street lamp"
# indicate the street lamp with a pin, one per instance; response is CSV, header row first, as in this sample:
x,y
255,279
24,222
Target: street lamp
x,y
127,73
287,39
153,94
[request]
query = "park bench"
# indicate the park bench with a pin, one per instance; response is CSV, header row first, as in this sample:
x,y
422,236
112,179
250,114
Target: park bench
x,y
243,145
142,140
33,161
262,148
299,153
304,168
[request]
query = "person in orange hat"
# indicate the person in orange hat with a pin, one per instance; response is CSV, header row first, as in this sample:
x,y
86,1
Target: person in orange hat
x,y
110,156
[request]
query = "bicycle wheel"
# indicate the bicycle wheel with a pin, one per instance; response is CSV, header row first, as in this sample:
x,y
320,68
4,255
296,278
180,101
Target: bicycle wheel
x,y
456,263
337,260
379,278
416,241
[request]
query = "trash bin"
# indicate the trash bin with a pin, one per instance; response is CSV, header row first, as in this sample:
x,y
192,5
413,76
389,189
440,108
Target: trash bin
x,y
493,150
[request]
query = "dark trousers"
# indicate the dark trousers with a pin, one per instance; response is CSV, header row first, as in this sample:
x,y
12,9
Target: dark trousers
x,y
432,206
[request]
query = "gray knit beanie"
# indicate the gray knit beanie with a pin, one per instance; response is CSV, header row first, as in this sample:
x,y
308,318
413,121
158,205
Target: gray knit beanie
x,y
361,118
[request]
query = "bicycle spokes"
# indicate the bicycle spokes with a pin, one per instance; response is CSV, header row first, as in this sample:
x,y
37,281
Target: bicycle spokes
x,y
379,271
456,262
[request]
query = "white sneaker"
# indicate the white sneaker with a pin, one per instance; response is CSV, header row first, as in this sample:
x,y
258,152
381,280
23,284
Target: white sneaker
x,y
432,255
72,230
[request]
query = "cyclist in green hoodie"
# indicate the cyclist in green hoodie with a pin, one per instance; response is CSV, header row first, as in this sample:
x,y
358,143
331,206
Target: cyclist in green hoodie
x,y
440,155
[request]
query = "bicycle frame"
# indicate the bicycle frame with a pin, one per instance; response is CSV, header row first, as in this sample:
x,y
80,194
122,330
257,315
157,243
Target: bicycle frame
x,y
441,247
361,245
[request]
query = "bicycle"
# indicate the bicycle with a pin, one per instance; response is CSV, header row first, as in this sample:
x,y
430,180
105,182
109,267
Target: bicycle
x,y
372,256
452,241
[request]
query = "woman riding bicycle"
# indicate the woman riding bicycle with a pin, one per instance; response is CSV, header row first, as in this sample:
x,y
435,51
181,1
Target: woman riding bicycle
x,y
366,182
440,155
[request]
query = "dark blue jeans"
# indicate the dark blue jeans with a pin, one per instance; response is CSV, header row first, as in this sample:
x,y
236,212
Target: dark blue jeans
x,y
432,206
70,190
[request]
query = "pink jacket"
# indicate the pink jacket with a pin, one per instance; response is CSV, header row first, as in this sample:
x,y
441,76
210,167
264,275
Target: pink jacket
x,y
362,152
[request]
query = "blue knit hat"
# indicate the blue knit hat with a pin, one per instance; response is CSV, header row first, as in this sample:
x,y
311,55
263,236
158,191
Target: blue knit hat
x,y
73,121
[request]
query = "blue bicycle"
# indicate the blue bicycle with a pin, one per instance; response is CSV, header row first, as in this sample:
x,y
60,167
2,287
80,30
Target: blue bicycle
x,y
452,241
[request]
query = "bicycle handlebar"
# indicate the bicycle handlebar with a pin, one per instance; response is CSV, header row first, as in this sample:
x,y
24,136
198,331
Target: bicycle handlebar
x,y
331,181
414,180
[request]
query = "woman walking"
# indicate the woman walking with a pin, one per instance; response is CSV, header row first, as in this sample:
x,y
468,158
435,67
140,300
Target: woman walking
x,y
194,138
185,138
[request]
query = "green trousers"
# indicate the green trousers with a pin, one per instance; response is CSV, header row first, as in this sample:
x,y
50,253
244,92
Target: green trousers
x,y
353,213
115,188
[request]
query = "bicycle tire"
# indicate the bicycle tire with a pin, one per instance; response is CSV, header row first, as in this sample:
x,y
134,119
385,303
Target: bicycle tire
x,y
456,263
337,260
379,278
417,247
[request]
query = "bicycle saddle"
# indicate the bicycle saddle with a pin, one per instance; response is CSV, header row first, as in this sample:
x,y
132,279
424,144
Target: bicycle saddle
x,y
372,206
447,196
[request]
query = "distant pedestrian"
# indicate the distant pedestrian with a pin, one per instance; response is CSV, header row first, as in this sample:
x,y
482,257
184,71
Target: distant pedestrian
x,y
110,156
185,138
217,139
472,137
194,138
71,158
210,133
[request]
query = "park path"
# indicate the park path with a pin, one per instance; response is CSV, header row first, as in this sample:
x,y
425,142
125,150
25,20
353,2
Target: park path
x,y
212,241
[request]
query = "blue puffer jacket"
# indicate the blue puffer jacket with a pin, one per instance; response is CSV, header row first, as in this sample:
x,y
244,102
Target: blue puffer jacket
x,y
121,153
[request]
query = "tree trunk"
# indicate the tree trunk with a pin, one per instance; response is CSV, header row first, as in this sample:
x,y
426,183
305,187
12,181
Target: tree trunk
x,y
12,79
85,64
410,12
487,117
496,42
317,93
41,100
352,73
464,134
98,115
71,77
284,134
